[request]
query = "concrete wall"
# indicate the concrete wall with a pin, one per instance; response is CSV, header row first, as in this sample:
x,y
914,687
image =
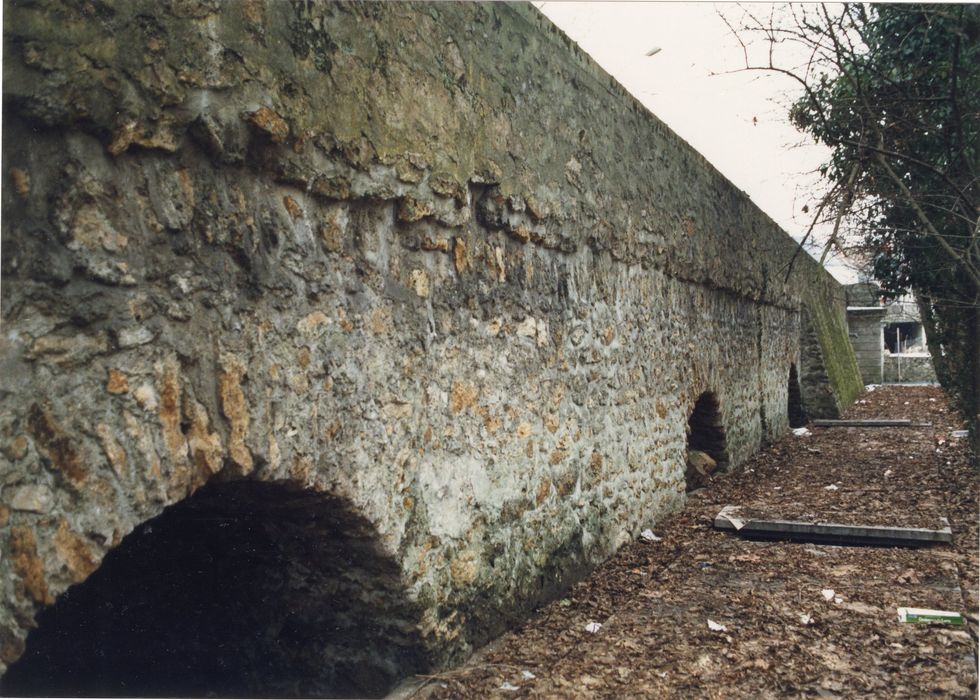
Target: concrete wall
x,y
865,331
908,368
426,259
863,294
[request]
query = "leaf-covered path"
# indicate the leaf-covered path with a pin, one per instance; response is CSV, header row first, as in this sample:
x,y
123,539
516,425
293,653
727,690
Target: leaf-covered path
x,y
776,628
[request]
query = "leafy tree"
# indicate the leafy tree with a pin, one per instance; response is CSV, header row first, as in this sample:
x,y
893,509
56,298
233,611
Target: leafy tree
x,y
894,90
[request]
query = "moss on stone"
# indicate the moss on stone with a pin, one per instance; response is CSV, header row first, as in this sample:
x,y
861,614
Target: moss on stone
x,y
826,314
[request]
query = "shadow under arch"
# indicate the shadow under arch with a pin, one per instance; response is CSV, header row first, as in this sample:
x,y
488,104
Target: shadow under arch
x,y
794,400
705,434
244,589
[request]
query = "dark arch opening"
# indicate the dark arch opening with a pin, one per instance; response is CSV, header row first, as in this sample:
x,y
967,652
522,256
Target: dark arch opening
x,y
245,589
705,437
794,405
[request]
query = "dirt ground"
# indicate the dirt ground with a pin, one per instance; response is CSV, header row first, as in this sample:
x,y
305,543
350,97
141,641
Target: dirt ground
x,y
703,613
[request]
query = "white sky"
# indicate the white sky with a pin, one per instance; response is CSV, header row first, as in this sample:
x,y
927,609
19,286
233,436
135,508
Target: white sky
x,y
738,121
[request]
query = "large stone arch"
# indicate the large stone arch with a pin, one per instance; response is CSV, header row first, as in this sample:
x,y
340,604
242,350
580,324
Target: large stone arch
x,y
244,589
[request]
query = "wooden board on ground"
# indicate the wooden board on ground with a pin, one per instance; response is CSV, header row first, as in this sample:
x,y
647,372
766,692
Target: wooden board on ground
x,y
868,423
830,533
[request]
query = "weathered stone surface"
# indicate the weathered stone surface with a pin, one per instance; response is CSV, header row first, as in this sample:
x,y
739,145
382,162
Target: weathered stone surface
x,y
471,288
74,552
118,382
32,498
27,565
55,445
235,409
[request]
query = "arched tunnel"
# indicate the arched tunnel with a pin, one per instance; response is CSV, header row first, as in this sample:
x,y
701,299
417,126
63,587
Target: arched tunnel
x,y
244,589
794,400
707,447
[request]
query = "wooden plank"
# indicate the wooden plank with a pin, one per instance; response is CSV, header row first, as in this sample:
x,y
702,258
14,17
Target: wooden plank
x,y
831,533
868,423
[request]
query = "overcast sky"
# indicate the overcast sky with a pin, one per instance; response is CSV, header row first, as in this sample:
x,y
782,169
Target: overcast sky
x,y
737,120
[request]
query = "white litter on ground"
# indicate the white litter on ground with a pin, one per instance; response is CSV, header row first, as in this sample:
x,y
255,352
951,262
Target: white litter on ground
x,y
593,627
508,686
715,627
527,675
649,536
832,487
828,594
801,432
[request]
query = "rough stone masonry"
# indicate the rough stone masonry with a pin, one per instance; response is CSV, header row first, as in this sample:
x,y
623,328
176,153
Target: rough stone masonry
x,y
427,261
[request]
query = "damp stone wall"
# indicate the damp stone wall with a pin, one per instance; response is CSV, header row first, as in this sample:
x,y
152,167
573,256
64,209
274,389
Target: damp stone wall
x,y
425,259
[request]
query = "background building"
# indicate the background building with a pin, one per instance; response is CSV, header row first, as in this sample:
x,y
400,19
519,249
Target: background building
x,y
888,337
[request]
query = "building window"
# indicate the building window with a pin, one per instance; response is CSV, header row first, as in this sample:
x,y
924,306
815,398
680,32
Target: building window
x,y
902,337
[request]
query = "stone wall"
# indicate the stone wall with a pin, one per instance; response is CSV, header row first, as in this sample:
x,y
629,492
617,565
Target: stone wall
x,y
427,260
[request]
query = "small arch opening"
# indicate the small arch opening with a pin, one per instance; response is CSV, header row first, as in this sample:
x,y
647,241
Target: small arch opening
x,y
245,589
707,449
794,401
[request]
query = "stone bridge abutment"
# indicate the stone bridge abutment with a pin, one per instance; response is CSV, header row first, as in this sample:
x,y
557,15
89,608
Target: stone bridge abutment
x,y
371,305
